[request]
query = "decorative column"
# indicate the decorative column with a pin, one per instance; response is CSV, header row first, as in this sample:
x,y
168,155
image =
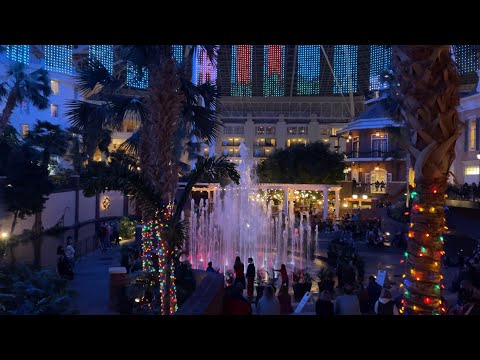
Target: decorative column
x,y
337,203
325,203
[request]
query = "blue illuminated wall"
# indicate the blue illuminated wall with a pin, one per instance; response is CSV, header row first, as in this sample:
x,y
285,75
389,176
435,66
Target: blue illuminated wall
x,y
104,54
133,76
273,70
19,53
308,69
241,75
345,62
380,59
58,58
177,51
466,58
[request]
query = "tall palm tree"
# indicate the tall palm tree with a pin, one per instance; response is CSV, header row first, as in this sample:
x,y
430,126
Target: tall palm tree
x,y
428,95
21,85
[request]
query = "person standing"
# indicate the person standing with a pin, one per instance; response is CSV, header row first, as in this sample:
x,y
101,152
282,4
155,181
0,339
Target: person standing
x,y
210,267
284,274
250,277
385,304
239,270
348,303
268,303
324,304
70,252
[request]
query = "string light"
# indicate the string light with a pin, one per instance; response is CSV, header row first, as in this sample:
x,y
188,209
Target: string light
x,y
465,58
133,76
380,59
104,54
177,51
58,58
241,76
308,69
345,68
19,53
206,71
273,70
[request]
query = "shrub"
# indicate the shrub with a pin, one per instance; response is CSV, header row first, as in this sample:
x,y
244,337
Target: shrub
x,y
126,228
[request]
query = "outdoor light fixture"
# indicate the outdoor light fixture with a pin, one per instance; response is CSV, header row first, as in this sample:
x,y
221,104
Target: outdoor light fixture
x,y
355,196
4,235
377,133
345,205
349,135
364,197
377,167
478,156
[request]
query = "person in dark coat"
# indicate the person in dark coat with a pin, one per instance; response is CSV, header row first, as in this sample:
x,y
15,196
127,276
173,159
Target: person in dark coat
x,y
324,304
210,267
239,270
374,291
250,277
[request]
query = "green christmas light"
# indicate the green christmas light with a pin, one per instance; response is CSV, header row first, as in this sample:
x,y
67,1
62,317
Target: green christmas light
x,y
406,254
423,249
413,194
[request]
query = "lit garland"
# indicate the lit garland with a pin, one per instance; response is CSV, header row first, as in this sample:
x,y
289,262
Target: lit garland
x,y
422,281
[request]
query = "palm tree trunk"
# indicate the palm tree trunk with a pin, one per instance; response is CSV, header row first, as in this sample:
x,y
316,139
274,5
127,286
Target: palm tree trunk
x,y
429,97
8,109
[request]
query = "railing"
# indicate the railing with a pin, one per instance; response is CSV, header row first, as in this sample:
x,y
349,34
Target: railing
x,y
464,192
368,154
360,189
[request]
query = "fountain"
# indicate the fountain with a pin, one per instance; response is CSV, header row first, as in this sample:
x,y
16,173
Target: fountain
x,y
241,223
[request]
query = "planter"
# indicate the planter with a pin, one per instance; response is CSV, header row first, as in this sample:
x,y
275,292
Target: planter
x,y
300,289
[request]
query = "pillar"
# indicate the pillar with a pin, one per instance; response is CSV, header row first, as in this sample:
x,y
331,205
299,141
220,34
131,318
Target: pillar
x,y
325,203
337,204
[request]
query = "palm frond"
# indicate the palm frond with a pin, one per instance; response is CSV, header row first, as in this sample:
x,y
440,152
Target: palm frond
x,y
212,168
93,78
131,145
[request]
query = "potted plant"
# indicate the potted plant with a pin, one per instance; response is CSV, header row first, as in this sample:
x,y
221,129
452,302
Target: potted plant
x,y
326,280
302,282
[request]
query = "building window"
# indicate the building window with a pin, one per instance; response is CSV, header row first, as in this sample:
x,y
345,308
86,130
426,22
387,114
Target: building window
x,y
53,110
291,142
291,131
379,144
473,134
270,130
355,146
472,170
259,130
233,130
25,128
303,130
333,131
232,141
265,142
324,131
55,86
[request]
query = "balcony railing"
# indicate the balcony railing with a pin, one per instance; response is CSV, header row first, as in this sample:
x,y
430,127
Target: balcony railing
x,y
360,189
367,154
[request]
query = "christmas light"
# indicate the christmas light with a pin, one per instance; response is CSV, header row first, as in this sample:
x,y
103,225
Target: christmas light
x,y
273,70
345,68
177,51
206,71
104,54
241,75
19,53
308,69
413,194
58,58
431,210
380,59
465,58
133,76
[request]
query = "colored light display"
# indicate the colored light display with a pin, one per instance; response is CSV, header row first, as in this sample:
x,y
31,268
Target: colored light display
x,y
58,58
104,54
273,70
241,70
380,59
345,68
466,58
19,53
133,76
308,69
206,71
177,51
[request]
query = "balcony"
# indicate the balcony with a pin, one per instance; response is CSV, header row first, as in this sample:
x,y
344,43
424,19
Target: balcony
x,y
370,155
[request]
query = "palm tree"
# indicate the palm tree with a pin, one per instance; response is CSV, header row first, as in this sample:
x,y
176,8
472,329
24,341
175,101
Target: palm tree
x,y
428,95
20,86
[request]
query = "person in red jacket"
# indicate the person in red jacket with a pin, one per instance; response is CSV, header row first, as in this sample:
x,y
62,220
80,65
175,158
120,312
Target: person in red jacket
x,y
284,274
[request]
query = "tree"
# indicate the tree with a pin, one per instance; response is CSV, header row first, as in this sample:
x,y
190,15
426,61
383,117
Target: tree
x,y
313,163
170,112
22,86
428,96
27,185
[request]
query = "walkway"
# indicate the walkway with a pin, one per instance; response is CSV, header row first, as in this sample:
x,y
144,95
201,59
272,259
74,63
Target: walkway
x,y
91,282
